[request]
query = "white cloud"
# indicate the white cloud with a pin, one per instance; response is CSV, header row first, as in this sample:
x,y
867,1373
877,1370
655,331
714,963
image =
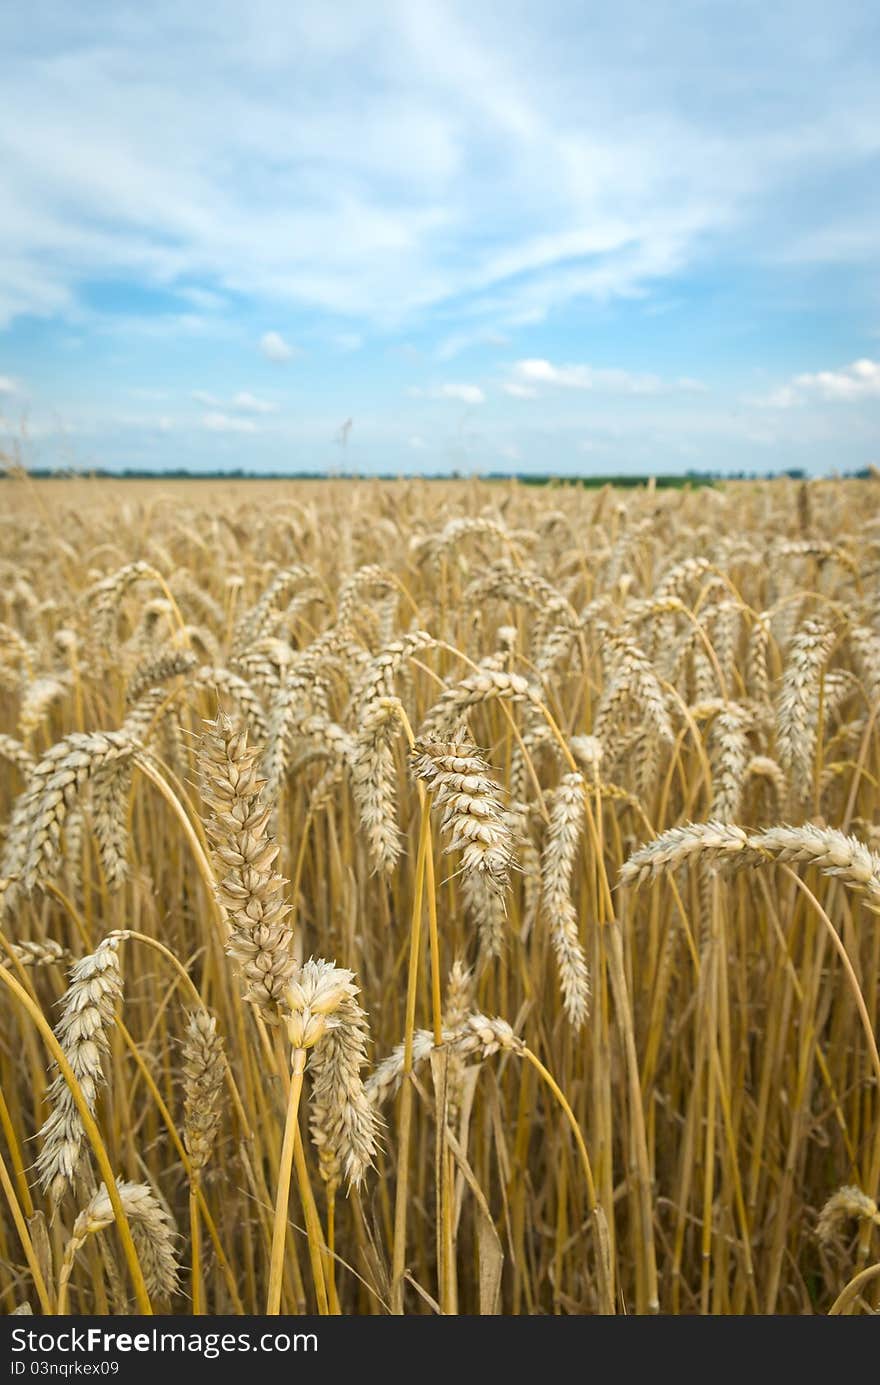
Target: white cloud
x,y
247,403
443,174
375,162
36,430
785,397
585,377
241,403
8,385
465,394
203,299
463,341
858,381
225,423
417,444
128,422
275,348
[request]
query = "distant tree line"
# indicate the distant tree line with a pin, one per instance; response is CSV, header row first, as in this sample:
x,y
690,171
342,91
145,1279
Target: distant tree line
x,y
688,478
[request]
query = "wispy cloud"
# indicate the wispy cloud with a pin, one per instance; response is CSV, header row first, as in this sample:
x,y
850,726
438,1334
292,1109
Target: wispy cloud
x,y
8,385
504,204
861,380
146,392
275,348
241,403
535,372
858,381
154,423
465,394
454,345
225,423
462,393
248,403
379,164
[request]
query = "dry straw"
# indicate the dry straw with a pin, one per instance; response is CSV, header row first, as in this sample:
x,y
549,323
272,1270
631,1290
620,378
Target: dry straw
x,y
208,691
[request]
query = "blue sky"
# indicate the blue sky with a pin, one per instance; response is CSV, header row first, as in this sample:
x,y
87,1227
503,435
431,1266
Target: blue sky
x,y
575,237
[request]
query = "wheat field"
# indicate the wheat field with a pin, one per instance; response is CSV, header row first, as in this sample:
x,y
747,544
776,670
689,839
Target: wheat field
x,y
439,897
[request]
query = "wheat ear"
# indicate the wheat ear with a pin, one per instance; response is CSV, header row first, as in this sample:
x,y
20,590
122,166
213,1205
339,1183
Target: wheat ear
x,y
87,1013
